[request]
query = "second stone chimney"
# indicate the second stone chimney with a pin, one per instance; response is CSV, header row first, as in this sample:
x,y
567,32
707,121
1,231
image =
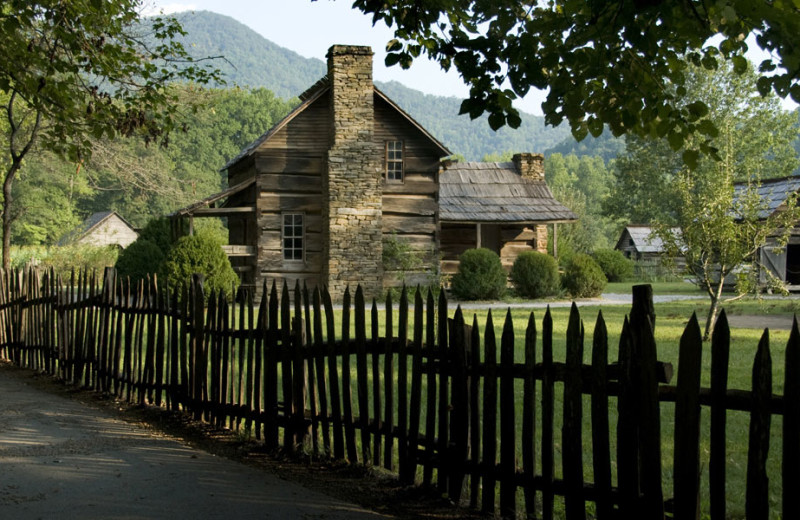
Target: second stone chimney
x,y
530,165
352,210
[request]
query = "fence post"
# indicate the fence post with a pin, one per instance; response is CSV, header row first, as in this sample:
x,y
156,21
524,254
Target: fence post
x,y
686,475
197,342
460,335
757,499
648,414
572,445
720,355
791,425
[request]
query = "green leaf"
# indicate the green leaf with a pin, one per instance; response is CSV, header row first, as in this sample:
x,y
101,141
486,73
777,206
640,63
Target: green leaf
x,y
690,158
740,64
675,140
595,126
391,59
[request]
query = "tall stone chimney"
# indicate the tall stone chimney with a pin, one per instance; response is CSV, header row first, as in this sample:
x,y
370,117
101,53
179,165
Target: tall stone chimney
x,y
352,189
530,165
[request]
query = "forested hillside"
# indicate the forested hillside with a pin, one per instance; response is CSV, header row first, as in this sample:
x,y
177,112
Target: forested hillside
x,y
252,60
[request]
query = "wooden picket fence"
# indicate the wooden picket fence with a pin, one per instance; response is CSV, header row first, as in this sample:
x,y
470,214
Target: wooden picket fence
x,y
437,403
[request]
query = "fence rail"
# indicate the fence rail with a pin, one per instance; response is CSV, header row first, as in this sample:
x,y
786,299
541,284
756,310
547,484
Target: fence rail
x,y
439,402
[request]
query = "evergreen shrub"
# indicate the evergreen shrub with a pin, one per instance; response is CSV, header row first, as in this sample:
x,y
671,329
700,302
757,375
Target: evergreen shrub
x,y
480,276
200,253
140,259
583,278
615,266
535,275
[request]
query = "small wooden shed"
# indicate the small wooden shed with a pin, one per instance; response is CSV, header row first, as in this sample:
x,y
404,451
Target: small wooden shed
x,y
104,228
505,207
782,261
638,243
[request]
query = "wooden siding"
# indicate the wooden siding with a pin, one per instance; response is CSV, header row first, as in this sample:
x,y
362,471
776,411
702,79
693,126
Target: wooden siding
x,y
410,208
307,132
113,231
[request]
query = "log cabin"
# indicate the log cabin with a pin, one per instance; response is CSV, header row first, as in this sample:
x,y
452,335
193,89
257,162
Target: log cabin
x,y
315,198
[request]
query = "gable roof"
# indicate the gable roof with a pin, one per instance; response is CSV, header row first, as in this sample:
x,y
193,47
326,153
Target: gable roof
x,y
91,223
306,99
643,239
496,192
773,192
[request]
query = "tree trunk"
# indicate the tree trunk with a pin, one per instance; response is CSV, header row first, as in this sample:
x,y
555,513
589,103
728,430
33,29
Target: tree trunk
x,y
713,310
7,204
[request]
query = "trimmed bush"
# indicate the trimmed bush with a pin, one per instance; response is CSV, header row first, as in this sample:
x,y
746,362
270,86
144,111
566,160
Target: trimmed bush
x,y
535,275
480,276
615,266
139,259
583,278
157,231
202,254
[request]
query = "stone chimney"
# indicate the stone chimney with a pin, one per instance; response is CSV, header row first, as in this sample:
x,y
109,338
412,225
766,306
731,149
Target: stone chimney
x,y
352,188
530,165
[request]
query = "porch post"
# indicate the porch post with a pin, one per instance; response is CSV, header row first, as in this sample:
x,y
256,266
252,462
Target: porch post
x,y
555,240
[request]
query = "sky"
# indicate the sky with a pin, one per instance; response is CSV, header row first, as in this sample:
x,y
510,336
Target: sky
x,y
310,28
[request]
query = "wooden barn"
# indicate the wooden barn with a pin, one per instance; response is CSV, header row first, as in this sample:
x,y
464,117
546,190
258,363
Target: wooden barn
x,y
315,198
638,243
104,228
504,207
782,261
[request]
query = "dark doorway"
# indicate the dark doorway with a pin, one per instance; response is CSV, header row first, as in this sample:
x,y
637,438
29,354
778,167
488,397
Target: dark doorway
x,y
490,237
793,264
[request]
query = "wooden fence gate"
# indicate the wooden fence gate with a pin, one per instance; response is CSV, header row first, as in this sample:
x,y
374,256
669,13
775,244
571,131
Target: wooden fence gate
x,y
432,397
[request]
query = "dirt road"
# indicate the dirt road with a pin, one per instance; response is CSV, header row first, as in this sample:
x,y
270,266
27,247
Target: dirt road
x,y
62,459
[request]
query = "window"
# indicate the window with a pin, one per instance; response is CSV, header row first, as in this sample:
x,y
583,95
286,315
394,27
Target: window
x,y
394,161
293,237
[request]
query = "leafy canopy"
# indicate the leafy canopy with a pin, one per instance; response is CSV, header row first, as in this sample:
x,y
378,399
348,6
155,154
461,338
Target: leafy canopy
x,y
604,63
90,69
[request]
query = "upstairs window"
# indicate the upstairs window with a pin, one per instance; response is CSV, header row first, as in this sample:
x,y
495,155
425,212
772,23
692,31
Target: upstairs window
x,y
293,240
394,161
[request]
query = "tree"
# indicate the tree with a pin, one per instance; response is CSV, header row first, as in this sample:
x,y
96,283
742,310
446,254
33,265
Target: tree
x,y
604,63
581,184
77,71
721,229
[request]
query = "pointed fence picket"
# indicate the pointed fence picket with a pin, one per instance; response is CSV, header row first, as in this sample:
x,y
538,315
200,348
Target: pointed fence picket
x,y
437,402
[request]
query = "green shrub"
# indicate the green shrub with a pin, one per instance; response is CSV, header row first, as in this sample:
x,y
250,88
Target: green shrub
x,y
535,275
583,278
139,259
615,266
63,259
158,232
480,276
202,254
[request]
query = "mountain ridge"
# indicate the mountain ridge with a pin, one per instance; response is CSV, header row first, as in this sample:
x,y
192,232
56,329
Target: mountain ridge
x,y
251,60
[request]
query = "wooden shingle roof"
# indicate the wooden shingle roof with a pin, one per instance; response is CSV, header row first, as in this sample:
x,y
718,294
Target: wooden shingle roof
x,y
773,193
642,239
495,192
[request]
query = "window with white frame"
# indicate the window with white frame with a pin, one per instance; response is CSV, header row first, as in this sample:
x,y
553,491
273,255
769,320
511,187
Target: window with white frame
x,y
293,239
394,161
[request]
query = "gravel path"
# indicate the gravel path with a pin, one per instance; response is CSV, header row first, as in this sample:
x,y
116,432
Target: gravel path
x,y
62,459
